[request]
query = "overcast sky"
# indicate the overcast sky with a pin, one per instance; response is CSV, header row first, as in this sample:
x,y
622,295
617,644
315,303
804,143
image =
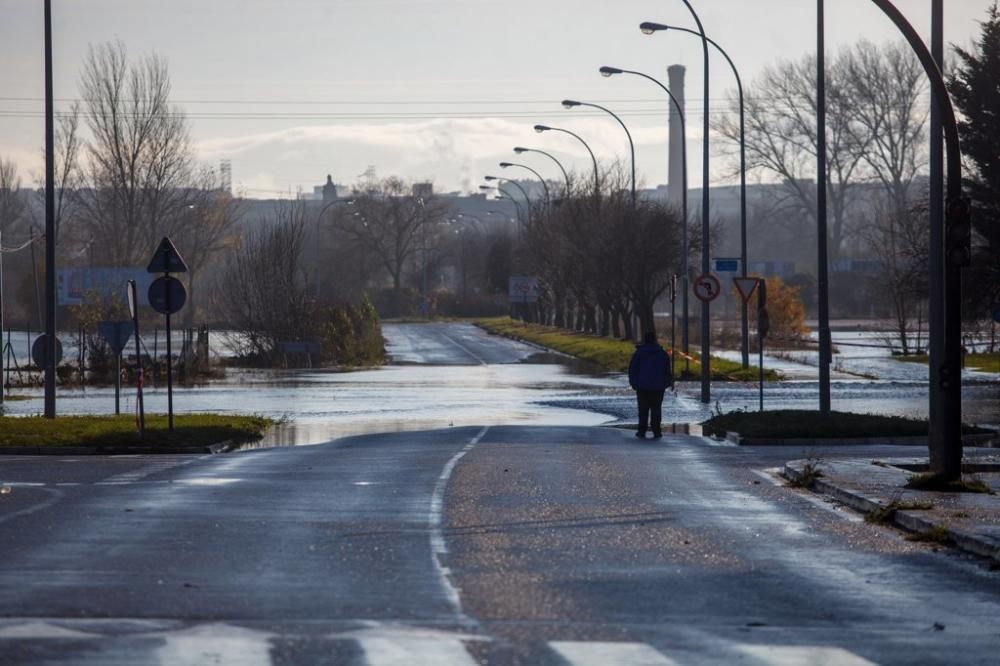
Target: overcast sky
x,y
291,90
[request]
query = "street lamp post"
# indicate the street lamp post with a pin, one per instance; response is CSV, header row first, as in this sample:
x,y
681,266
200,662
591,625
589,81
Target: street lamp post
x,y
50,226
545,187
521,149
945,434
571,103
610,71
597,178
822,268
706,373
319,220
744,326
501,179
517,206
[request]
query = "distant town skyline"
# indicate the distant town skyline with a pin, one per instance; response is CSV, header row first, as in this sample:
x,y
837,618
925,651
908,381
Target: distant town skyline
x,y
429,90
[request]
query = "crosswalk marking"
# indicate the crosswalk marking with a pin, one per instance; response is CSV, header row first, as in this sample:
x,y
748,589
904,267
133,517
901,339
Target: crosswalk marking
x,y
583,653
406,651
782,655
379,645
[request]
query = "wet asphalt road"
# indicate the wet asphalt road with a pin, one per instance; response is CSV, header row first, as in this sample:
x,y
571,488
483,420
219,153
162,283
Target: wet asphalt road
x,y
499,545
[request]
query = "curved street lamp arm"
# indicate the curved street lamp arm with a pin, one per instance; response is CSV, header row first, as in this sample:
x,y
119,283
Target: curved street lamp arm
x,y
558,163
597,182
722,51
631,144
545,185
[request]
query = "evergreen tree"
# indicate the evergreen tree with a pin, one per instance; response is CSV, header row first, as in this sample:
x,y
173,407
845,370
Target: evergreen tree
x,y
975,89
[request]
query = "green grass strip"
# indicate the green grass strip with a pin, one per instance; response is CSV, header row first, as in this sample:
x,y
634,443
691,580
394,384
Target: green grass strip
x,y
119,431
610,353
807,424
982,361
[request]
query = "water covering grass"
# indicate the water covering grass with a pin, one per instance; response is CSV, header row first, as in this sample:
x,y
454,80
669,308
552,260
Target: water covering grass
x,y
610,353
807,424
982,361
120,431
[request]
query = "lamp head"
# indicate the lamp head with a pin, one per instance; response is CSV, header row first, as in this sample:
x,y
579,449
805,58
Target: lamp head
x,y
504,165
570,103
542,128
486,187
648,27
608,71
490,178
519,150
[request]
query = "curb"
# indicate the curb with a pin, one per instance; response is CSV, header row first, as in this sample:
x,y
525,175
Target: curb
x,y
985,441
221,447
978,544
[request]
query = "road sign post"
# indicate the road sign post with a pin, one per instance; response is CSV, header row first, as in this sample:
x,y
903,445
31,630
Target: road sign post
x,y
706,289
116,334
167,296
763,326
133,311
747,286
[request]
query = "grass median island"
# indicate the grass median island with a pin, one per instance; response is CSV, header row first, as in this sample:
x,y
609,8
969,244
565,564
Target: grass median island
x,y
805,424
190,430
982,361
610,353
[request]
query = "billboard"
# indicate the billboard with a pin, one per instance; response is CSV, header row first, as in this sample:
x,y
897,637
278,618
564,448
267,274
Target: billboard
x,y
73,284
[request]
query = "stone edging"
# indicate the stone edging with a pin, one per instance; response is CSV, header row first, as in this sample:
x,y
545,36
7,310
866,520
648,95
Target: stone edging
x,y
221,447
911,521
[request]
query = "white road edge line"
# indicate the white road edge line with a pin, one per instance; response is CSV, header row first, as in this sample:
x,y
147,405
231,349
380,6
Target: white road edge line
x,y
438,546
463,348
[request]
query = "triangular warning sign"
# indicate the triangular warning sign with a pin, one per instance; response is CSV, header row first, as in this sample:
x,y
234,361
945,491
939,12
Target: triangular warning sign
x,y
746,287
166,259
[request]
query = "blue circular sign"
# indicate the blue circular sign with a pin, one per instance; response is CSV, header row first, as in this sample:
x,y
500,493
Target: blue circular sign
x,y
167,295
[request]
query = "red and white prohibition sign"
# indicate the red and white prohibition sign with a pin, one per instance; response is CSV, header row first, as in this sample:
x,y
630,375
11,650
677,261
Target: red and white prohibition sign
x,y
707,288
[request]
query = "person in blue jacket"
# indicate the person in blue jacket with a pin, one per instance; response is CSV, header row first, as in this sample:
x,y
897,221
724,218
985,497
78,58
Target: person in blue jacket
x,y
650,375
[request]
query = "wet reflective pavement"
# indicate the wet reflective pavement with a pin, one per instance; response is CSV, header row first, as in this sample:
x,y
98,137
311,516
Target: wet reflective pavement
x,y
543,543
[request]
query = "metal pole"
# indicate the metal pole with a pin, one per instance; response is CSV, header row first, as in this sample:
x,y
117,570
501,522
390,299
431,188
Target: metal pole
x,y
821,231
118,382
133,298
744,325
2,375
50,226
935,263
706,371
628,134
558,163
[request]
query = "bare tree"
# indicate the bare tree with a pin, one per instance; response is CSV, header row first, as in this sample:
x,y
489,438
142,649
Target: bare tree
x,y
12,203
266,292
139,159
781,140
899,239
394,225
205,227
884,87
875,131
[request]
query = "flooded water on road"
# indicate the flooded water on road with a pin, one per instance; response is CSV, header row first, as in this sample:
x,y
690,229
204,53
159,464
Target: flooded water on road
x,y
530,388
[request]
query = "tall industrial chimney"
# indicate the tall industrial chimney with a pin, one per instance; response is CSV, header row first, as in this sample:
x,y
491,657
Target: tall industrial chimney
x,y
675,177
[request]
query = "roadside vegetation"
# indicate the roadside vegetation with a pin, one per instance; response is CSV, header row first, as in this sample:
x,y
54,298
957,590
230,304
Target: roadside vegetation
x,y
610,353
190,430
983,361
805,424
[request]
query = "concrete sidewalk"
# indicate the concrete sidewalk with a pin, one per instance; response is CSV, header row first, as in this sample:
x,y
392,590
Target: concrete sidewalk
x,y
970,521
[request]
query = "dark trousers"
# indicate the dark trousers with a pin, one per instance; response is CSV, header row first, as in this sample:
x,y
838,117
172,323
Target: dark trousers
x,y
650,410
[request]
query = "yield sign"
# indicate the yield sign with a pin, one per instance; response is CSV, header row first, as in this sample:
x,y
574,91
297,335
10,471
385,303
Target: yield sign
x,y
746,287
166,259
